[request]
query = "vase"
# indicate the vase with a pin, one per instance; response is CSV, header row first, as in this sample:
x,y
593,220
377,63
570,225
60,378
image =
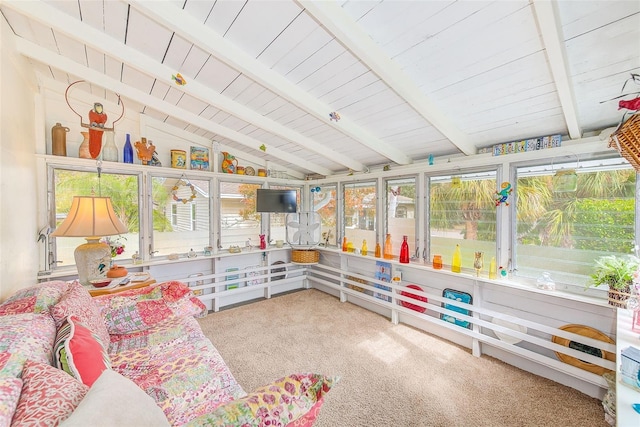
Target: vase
x,y
59,140
83,150
110,149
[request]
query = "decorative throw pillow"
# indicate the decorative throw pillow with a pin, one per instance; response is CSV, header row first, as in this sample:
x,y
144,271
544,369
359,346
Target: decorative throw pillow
x,y
128,405
281,403
78,302
48,396
10,389
79,352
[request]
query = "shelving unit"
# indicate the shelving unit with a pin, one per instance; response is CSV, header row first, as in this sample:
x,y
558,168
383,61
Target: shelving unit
x,y
514,308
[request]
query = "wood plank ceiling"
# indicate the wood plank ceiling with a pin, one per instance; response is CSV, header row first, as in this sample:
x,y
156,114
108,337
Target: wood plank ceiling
x,y
409,79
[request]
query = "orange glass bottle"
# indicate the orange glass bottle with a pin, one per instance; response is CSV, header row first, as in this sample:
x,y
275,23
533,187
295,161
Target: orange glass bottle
x,y
388,248
378,251
344,244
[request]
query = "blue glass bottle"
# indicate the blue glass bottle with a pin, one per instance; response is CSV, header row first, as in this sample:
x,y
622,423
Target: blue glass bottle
x,y
127,154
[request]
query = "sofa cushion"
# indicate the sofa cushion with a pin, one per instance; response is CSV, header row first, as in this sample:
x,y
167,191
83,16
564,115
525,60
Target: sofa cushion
x,y
281,403
48,395
139,309
133,406
78,302
25,336
9,394
34,299
79,352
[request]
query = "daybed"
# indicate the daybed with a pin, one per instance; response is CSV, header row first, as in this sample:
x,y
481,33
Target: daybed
x,y
134,358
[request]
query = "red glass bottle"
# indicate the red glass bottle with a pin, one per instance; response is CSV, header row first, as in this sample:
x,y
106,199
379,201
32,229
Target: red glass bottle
x,y
404,251
263,242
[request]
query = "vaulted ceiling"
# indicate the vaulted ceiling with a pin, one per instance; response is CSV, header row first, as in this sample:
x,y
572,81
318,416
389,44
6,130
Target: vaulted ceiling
x,y
408,79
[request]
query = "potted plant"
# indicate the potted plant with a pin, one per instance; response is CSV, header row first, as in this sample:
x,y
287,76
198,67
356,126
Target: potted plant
x,y
617,272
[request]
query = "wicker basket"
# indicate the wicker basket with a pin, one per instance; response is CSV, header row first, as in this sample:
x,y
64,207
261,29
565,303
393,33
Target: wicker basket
x,y
305,256
626,139
618,298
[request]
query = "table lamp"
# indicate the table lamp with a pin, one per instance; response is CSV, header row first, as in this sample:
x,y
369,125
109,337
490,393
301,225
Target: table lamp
x,y
92,218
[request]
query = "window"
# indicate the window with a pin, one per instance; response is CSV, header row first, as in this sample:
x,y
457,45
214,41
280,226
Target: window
x,y
277,221
239,220
324,202
176,227
401,209
123,190
360,212
568,215
462,211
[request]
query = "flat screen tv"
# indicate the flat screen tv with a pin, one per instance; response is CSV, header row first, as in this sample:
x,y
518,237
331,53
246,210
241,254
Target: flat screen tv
x,y
268,200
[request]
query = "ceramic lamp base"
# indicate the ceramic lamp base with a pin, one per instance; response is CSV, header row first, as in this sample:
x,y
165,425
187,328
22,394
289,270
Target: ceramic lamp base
x,y
92,260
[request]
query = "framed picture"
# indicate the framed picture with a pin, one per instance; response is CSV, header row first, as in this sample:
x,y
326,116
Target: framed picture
x,y
199,158
456,296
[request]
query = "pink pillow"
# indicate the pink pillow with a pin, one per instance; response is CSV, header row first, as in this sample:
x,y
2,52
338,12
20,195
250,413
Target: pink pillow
x,y
48,396
79,303
78,352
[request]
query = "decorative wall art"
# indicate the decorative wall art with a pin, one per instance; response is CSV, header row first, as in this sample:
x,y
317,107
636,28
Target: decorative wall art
x,y
199,158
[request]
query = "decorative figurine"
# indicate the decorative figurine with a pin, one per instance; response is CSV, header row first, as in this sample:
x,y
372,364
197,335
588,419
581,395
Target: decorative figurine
x,y
334,116
502,195
145,151
97,119
180,81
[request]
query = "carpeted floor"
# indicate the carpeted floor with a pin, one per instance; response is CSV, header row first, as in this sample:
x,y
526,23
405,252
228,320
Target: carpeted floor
x,y
391,375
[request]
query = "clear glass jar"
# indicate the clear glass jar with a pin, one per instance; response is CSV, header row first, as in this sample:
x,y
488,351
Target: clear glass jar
x,y
545,282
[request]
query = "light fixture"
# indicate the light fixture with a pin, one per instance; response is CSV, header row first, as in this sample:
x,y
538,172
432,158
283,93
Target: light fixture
x,y
92,218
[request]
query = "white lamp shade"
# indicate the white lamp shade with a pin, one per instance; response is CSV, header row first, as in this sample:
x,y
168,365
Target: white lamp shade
x,y
90,216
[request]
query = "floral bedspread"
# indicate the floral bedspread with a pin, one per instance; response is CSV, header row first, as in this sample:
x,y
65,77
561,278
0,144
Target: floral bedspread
x,y
178,366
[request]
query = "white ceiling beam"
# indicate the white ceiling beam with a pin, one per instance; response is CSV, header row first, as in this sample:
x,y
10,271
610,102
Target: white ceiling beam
x,y
553,41
98,40
334,19
174,18
54,60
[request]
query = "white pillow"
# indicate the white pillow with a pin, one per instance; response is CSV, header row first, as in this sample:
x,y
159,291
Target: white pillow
x,y
114,400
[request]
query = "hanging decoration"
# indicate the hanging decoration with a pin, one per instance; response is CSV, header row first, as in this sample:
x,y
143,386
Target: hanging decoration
x,y
334,116
183,183
180,81
97,121
503,195
263,147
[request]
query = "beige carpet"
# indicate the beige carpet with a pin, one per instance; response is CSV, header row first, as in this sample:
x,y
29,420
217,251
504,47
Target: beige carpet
x,y
391,375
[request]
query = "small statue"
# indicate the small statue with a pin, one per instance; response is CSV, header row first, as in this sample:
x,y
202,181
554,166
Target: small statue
x,y
97,119
145,151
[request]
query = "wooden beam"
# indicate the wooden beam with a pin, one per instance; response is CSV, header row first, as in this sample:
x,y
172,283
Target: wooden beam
x,y
332,17
174,18
553,40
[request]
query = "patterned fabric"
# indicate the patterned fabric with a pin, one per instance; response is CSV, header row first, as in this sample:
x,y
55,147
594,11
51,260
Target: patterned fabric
x,y
25,336
48,396
139,309
35,299
78,302
79,352
176,365
281,403
9,394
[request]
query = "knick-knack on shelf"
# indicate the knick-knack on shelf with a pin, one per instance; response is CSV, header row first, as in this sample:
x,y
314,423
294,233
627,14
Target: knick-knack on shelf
x,y
388,248
83,150
456,262
127,151
404,251
110,149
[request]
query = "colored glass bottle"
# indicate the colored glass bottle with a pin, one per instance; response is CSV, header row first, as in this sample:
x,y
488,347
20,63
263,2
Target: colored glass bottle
x,y
492,268
437,262
364,250
127,152
344,244
456,262
404,251
378,251
263,241
388,248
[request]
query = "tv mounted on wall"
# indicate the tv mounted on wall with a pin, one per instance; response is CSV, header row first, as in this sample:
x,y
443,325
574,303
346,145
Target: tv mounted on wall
x,y
268,200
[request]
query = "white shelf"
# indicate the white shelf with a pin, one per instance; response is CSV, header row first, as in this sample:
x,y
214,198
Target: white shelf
x,y
625,395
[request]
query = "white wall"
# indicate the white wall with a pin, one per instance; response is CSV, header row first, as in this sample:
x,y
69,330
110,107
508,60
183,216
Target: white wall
x,y
18,188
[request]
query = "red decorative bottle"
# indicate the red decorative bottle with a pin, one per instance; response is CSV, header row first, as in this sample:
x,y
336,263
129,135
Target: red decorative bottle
x,y
404,251
263,242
